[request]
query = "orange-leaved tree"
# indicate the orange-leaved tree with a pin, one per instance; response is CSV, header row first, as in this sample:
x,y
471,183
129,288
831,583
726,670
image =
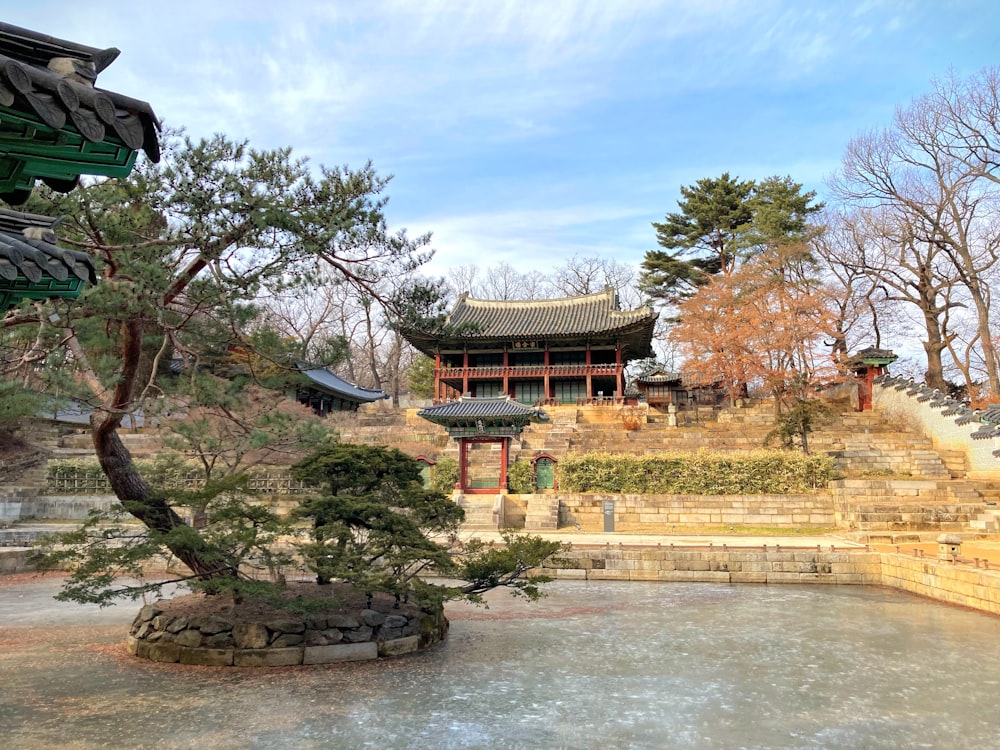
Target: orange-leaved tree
x,y
761,327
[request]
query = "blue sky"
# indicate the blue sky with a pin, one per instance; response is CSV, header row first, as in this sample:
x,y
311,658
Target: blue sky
x,y
528,132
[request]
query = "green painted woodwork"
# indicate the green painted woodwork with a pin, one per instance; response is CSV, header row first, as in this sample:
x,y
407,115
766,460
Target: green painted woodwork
x,y
569,391
492,430
21,288
30,150
484,483
545,474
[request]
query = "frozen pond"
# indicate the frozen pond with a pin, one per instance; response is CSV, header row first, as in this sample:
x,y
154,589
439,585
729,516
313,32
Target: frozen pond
x,y
594,665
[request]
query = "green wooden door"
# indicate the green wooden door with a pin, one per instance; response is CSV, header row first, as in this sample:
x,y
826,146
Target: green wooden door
x,y
545,474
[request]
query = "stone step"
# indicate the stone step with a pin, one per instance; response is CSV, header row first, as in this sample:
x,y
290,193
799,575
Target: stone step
x,y
481,511
542,513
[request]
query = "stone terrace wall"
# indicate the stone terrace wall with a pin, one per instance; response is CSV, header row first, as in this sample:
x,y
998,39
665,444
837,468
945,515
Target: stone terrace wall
x,y
904,505
966,586
720,565
942,581
636,511
14,561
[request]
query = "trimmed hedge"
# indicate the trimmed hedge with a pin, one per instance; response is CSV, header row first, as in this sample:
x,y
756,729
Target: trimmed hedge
x,y
761,472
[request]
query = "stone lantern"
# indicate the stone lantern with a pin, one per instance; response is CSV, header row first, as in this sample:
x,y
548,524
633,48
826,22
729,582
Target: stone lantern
x,y
949,547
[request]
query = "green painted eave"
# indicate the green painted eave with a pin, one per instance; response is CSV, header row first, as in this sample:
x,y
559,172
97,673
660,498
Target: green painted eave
x,y
12,293
31,150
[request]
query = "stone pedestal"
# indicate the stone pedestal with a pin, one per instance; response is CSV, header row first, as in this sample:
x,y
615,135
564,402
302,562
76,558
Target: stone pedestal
x,y
949,547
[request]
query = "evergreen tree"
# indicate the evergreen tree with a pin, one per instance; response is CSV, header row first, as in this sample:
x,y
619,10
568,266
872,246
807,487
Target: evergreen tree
x,y
722,222
184,248
699,241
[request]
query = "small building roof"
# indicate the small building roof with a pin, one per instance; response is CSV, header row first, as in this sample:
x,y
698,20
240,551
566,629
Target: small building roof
x,y
587,317
33,266
871,356
496,409
56,124
658,375
323,380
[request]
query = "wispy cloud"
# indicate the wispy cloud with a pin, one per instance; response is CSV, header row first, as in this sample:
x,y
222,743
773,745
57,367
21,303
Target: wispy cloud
x,y
529,131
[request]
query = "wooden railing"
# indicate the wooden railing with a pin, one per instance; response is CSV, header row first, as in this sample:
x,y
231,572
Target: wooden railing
x,y
76,482
526,371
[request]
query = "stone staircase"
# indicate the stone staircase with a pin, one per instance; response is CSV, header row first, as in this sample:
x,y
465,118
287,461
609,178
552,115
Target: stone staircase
x,y
482,512
987,522
542,513
865,443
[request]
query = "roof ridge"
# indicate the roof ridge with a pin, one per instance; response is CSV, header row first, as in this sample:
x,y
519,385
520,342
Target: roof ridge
x,y
607,292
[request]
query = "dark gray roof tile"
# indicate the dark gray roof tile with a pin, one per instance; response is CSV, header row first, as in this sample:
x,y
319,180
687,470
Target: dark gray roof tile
x,y
586,314
28,249
470,407
326,381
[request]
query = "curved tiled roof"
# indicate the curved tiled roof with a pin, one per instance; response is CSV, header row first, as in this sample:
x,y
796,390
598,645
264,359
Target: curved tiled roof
x,y
658,375
32,265
470,407
49,105
587,317
590,313
324,380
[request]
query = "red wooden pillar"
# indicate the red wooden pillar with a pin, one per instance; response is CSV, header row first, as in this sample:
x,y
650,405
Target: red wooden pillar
x,y
590,389
545,373
504,453
465,371
505,383
865,383
438,393
619,370
463,463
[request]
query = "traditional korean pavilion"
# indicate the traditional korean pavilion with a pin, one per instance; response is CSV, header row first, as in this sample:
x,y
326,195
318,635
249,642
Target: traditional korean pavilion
x,y
326,392
55,125
484,428
660,387
557,351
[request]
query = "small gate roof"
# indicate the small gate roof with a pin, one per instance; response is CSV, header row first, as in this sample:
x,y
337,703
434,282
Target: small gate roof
x,y
499,408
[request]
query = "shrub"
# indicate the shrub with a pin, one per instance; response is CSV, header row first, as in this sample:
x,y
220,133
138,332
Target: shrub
x,y
521,478
763,472
446,474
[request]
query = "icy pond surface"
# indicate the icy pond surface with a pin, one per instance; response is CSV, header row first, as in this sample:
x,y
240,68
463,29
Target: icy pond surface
x,y
594,665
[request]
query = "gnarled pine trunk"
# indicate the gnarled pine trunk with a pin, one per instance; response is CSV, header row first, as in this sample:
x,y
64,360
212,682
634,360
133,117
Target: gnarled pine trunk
x,y
126,482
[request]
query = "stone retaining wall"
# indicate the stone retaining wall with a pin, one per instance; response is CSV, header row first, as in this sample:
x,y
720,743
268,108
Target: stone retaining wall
x,y
78,507
943,581
719,565
217,641
964,585
14,561
789,511
904,505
